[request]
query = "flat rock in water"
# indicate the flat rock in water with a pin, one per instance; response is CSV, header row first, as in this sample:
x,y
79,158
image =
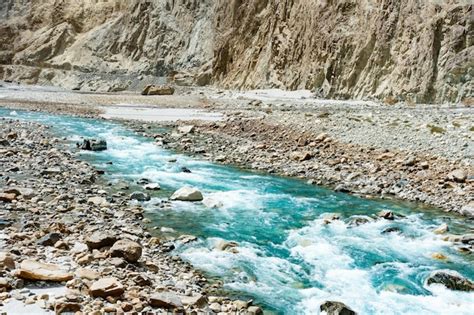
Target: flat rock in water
x,y
187,193
34,270
106,287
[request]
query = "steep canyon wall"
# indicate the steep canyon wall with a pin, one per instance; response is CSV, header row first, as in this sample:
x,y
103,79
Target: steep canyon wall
x,y
415,50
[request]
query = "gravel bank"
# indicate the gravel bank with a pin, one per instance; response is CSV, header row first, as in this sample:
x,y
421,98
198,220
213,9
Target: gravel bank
x,y
64,228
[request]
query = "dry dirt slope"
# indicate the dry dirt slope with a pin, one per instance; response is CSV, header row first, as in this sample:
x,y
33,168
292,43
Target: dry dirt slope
x,y
418,50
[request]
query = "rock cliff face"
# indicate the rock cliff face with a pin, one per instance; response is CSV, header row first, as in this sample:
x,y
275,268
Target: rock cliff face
x,y
415,50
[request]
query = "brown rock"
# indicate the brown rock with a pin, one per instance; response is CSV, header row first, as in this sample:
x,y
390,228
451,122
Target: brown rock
x,y
6,261
158,90
5,197
129,250
106,287
100,239
34,270
166,300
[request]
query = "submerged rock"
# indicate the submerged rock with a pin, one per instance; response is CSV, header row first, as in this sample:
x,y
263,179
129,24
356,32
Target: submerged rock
x,y
386,214
34,270
451,280
336,308
359,220
187,193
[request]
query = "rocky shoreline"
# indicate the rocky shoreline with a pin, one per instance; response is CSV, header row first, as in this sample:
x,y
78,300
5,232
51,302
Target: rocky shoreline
x,y
64,228
322,160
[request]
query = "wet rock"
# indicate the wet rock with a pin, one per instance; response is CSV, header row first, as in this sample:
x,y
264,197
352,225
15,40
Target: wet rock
x,y
467,239
187,193
34,270
153,186
392,229
158,90
336,308
165,300
106,287
140,196
185,170
330,217
359,220
6,261
223,245
439,256
129,250
49,239
100,239
451,280
442,229
93,145
212,204
386,214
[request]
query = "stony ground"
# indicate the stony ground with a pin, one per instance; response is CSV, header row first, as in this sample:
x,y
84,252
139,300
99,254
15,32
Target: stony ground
x,y
62,225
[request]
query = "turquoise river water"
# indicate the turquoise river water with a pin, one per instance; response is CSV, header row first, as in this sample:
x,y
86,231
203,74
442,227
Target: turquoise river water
x,y
288,261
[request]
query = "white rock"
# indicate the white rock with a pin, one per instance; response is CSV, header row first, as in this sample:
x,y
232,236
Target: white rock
x,y
187,193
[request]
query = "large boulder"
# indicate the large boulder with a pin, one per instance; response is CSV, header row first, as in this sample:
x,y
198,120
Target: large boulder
x,y
451,280
34,270
187,193
158,90
336,308
126,249
106,287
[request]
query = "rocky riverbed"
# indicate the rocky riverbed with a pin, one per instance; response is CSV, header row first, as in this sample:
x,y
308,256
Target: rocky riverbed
x,y
65,230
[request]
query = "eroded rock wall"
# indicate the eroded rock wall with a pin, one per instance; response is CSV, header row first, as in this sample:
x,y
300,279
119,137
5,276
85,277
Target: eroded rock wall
x,y
415,50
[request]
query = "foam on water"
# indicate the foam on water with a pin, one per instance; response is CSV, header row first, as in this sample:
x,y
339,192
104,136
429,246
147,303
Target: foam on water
x,y
287,258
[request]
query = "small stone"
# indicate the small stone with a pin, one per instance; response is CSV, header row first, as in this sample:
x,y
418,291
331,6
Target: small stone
x,y
98,201
186,129
196,300
129,250
66,307
459,176
215,307
6,261
49,239
86,273
106,287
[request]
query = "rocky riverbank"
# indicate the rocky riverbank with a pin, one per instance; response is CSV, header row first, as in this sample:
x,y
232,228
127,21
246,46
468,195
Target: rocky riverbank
x,y
323,160
65,230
